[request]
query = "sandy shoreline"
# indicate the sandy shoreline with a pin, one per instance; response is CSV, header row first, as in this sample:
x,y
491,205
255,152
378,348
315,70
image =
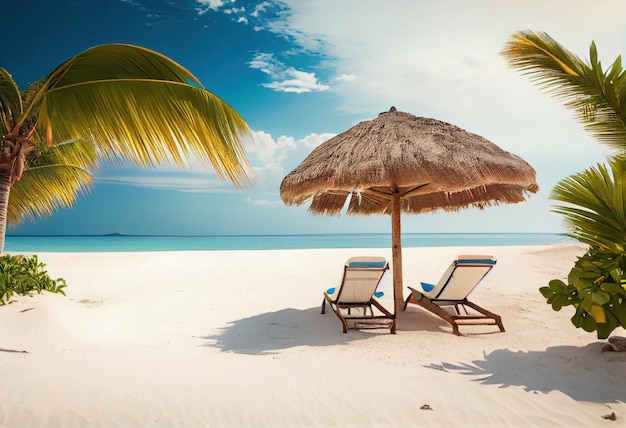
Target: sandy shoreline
x,y
235,339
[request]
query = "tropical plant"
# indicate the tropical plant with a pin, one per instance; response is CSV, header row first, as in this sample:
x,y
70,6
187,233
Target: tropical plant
x,y
595,209
594,201
120,103
23,275
596,287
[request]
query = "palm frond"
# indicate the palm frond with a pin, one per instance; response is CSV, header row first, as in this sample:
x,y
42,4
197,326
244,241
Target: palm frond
x,y
597,98
45,189
31,98
595,209
120,61
141,108
10,102
53,179
79,153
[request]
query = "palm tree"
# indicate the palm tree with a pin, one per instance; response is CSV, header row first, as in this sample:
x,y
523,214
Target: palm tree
x,y
597,97
593,201
119,103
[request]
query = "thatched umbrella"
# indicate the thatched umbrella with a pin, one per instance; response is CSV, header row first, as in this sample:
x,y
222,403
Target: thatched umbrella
x,y
400,162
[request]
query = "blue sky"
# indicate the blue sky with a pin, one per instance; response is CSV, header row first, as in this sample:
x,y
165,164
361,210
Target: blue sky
x,y
301,71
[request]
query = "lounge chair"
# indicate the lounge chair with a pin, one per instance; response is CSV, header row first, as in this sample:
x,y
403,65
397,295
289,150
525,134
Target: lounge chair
x,y
357,294
448,297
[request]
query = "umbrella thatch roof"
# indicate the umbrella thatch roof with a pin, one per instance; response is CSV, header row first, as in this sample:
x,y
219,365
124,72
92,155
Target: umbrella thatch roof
x,y
433,165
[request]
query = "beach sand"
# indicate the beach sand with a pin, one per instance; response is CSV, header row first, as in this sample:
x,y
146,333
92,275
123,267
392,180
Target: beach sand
x,y
236,339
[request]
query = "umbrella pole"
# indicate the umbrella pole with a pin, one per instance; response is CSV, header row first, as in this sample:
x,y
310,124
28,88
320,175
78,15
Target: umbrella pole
x,y
396,252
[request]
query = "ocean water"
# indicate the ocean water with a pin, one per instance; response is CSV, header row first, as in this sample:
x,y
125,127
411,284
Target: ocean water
x,y
118,243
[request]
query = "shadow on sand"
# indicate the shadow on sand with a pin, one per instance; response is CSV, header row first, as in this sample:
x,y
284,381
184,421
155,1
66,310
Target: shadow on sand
x,y
287,328
583,373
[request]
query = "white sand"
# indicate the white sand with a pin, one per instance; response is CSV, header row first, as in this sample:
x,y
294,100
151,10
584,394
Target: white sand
x,y
236,339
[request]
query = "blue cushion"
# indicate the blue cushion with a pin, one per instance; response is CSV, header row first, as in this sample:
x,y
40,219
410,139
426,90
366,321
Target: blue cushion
x,y
427,287
381,264
330,290
476,261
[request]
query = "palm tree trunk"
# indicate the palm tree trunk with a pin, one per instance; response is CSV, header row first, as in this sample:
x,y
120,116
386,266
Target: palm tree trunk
x,y
5,189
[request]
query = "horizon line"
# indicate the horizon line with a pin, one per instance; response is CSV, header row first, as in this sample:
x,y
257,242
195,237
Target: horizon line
x,y
116,234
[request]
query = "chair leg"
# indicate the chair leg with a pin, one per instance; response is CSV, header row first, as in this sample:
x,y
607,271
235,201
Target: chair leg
x,y
440,312
495,317
345,324
387,314
455,328
336,310
458,310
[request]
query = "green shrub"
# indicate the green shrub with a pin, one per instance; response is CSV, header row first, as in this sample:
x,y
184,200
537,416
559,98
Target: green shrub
x,y
596,287
22,275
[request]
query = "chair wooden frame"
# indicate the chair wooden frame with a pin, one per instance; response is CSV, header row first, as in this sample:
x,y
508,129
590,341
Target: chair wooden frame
x,y
444,294
361,276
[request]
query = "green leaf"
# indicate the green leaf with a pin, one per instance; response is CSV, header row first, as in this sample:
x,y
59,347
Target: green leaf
x,y
617,308
559,301
546,292
611,287
586,300
584,320
604,329
600,298
557,286
616,275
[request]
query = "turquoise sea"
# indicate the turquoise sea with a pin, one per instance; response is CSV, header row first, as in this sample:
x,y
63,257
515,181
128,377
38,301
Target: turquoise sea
x,y
118,243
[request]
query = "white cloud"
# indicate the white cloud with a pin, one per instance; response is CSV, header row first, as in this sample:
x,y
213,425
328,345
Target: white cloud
x,y
346,77
313,140
206,5
261,7
300,82
180,182
266,63
269,156
285,78
234,10
264,202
